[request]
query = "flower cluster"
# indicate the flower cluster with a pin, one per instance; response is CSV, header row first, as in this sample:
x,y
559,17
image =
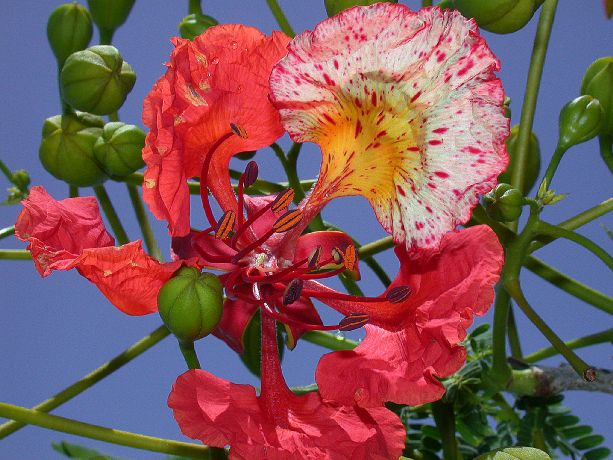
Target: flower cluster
x,y
408,113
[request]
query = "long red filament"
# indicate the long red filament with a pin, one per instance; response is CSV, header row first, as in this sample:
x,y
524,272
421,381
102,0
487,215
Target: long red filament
x,y
204,174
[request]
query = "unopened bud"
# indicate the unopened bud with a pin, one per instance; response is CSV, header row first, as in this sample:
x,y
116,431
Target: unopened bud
x,y
598,83
69,29
110,14
498,16
119,149
193,25
336,6
580,120
96,80
504,203
191,304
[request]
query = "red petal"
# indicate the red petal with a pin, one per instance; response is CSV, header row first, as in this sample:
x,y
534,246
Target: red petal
x,y
328,240
218,413
409,343
234,321
301,310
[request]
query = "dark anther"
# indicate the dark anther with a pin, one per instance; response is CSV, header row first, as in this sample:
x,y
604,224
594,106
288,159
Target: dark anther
x,y
349,257
338,256
590,374
398,294
287,221
236,129
353,321
225,225
292,291
283,200
251,174
314,258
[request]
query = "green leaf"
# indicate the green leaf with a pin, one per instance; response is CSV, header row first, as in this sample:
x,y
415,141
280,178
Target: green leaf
x,y
576,431
515,453
561,421
79,452
598,454
588,442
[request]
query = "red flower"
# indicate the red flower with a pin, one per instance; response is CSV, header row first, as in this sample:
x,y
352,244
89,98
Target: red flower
x,y
407,111
70,234
220,78
279,425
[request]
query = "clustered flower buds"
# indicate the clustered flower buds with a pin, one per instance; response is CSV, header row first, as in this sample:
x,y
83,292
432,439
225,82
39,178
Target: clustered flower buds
x,y
69,29
498,16
504,203
118,149
580,120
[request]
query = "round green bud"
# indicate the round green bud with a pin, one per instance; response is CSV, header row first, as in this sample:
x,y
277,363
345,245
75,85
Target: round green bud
x,y
336,6
191,304
110,14
504,203
67,149
193,25
246,155
580,120
446,5
498,16
119,149
96,80
69,29
598,83
533,164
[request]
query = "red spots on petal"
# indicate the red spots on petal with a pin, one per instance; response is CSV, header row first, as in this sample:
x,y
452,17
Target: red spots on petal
x,y
441,174
471,149
435,142
441,56
419,225
328,80
440,130
413,149
431,185
336,64
380,134
400,190
373,98
429,209
329,118
416,96
358,102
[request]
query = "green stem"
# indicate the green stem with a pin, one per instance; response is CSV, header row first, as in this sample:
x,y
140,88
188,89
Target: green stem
x,y
501,371
425,3
513,335
189,354
194,7
15,254
92,378
73,191
7,231
444,417
606,150
330,341
514,289
588,340
123,438
111,215
577,221
506,409
7,172
277,12
551,230
551,169
570,285
375,247
143,222
292,171
537,60
106,38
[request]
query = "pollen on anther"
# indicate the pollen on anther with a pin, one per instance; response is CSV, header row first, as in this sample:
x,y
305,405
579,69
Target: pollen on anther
x,y
238,130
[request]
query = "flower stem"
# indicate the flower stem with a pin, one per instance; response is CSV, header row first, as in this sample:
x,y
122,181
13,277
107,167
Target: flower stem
x,y
592,339
552,168
606,149
92,378
444,417
425,3
100,433
7,231
375,247
6,171
15,254
537,60
194,7
514,289
111,215
551,230
570,285
501,371
330,341
277,12
73,191
513,336
143,222
189,354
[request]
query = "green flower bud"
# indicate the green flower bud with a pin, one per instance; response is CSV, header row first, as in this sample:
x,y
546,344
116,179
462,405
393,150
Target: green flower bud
x,y
336,6
598,82
498,16
67,149
96,80
246,155
110,14
446,5
119,149
533,164
191,304
193,25
69,29
580,120
504,203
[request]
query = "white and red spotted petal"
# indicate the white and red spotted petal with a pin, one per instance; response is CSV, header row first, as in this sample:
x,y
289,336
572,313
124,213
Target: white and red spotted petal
x,y
407,110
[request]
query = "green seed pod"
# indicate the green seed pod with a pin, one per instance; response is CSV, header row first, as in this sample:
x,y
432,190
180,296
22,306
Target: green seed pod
x,y
533,165
110,14
336,6
193,25
96,80
498,16
69,29
67,149
119,149
445,5
191,304
504,203
598,83
580,120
